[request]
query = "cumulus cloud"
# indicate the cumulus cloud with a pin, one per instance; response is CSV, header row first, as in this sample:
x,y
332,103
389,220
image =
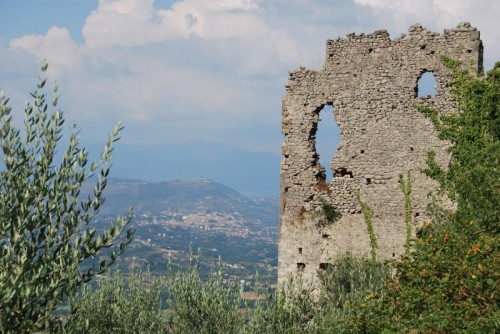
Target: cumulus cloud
x,y
215,70
137,22
433,13
55,45
397,15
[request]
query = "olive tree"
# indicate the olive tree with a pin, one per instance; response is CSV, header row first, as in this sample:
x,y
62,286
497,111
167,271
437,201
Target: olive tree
x,y
46,228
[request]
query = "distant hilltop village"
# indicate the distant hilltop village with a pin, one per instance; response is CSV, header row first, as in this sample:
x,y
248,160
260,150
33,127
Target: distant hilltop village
x,y
371,82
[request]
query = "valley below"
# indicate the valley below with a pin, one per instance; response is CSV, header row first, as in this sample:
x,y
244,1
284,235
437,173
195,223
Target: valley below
x,y
178,221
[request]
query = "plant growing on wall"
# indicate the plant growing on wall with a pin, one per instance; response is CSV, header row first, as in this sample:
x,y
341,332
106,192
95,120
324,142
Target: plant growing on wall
x,y
368,215
472,176
327,213
449,281
406,189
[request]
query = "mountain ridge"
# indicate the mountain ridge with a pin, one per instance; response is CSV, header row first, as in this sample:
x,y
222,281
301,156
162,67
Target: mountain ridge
x,y
183,196
251,173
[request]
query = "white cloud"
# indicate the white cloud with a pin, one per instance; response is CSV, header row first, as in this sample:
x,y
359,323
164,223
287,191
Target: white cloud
x,y
432,13
398,15
131,23
138,22
201,69
55,46
123,23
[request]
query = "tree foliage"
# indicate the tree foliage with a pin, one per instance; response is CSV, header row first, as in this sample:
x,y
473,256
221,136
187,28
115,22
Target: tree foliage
x,y
450,281
119,304
473,174
45,228
204,307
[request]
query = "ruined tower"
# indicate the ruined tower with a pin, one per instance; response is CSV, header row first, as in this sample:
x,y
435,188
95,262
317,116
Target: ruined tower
x,y
371,82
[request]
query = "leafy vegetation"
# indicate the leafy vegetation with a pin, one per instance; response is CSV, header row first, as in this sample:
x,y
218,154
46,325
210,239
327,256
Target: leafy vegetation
x,y
473,174
119,304
208,307
328,213
368,215
45,230
406,189
214,306
447,281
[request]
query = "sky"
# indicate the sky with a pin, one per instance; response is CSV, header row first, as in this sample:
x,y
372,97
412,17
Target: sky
x,y
196,70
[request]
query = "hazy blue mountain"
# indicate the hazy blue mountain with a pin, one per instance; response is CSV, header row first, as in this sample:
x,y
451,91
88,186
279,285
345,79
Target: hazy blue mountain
x,y
183,196
248,172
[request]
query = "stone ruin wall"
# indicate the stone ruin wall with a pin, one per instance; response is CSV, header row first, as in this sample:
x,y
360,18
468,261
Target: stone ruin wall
x,y
371,81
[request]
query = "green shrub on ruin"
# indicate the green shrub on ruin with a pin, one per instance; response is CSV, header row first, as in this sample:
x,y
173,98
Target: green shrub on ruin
x,y
406,189
327,213
473,175
449,282
367,216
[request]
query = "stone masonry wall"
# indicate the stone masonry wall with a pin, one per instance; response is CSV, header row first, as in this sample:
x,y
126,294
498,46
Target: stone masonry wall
x,y
371,81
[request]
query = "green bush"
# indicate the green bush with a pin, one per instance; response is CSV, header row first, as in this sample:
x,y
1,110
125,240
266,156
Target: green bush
x,y
293,308
134,305
473,175
449,283
350,279
45,230
204,307
119,304
336,307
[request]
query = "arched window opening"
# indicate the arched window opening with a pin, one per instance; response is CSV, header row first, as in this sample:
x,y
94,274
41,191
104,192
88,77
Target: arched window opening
x,y
426,85
327,139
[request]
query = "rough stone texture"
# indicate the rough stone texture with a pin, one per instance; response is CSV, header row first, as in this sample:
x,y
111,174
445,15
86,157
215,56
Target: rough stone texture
x,y
371,81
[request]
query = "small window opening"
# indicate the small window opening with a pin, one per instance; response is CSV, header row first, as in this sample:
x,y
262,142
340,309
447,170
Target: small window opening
x,y
426,85
301,266
368,180
300,250
323,266
342,172
325,236
302,211
326,138
362,151
417,214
